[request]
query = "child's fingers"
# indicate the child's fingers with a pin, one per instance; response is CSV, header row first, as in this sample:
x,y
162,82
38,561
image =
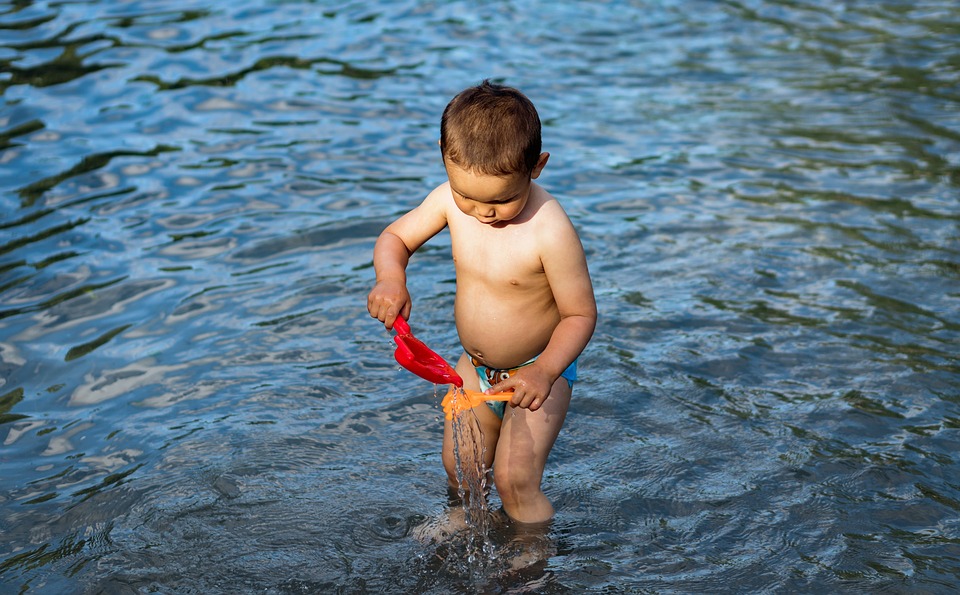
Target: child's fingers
x,y
391,317
522,397
381,311
530,401
386,300
526,391
528,395
386,310
504,386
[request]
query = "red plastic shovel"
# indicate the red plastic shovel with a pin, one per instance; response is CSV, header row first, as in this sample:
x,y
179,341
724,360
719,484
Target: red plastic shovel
x,y
416,357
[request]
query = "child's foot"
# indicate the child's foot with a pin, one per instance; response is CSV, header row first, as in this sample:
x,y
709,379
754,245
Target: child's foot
x,y
523,554
526,544
439,529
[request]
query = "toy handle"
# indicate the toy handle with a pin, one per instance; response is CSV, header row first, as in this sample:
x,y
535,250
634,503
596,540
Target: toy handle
x,y
400,325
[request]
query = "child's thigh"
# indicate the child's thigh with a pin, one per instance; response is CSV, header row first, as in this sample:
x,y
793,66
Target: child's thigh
x,y
526,437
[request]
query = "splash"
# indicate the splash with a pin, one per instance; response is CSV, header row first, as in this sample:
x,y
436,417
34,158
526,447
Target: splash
x,y
472,482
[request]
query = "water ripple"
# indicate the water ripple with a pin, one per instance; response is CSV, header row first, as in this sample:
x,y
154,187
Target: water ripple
x,y
189,196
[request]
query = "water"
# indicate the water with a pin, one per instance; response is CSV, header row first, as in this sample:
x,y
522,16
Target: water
x,y
194,400
471,523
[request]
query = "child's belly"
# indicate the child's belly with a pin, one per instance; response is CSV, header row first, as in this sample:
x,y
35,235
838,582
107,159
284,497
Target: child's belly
x,y
508,331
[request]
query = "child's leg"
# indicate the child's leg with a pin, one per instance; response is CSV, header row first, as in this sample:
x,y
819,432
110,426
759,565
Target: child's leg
x,y
526,439
489,425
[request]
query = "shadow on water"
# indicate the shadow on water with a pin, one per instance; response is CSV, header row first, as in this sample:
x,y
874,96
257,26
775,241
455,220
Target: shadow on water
x,y
193,399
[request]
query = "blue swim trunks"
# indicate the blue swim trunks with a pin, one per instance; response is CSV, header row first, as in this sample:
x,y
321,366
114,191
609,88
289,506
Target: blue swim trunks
x,y
490,376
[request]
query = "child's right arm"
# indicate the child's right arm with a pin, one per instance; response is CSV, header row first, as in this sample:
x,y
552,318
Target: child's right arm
x,y
389,297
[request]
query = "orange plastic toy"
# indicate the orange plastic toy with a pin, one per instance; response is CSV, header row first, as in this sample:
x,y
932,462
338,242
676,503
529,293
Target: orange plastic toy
x,y
459,399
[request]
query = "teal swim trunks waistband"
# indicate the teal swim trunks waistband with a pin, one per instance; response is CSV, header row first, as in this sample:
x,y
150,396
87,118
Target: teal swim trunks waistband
x,y
490,376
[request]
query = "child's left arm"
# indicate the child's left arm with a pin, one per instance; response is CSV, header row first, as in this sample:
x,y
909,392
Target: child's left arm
x,y
565,266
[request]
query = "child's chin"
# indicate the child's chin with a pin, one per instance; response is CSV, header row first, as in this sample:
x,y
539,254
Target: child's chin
x,y
494,222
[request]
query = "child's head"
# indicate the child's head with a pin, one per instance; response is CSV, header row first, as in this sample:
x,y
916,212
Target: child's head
x,y
491,129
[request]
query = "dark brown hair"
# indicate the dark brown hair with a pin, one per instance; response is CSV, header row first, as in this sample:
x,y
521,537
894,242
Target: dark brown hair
x,y
491,129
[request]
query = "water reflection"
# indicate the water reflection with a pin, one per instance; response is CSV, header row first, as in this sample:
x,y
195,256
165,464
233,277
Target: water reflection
x,y
766,191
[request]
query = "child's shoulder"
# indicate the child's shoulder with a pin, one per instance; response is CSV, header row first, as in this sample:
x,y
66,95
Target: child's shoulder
x,y
548,208
441,190
439,198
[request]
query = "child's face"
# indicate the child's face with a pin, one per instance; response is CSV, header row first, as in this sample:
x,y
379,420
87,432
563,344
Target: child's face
x,y
487,198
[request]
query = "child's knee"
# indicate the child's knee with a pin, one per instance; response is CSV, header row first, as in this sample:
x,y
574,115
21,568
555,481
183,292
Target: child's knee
x,y
510,479
449,465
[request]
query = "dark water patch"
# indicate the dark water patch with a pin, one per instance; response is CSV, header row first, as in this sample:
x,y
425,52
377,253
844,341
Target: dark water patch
x,y
7,136
23,241
86,348
7,402
324,237
68,66
319,65
766,191
32,192
60,298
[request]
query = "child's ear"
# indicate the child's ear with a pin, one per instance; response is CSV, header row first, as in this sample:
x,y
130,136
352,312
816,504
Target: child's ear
x,y
541,163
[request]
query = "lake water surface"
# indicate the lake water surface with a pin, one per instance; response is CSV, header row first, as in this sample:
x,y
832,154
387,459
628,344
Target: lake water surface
x,y
193,398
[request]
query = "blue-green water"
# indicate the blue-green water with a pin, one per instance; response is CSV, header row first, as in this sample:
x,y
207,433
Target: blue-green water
x,y
194,400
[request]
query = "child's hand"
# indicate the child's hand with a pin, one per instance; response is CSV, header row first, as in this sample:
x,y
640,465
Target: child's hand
x,y
530,387
388,299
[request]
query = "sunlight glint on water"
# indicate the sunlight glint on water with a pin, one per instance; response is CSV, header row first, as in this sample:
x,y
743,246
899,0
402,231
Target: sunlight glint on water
x,y
767,193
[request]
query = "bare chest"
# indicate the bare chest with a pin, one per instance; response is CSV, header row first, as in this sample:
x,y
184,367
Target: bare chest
x,y
497,257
